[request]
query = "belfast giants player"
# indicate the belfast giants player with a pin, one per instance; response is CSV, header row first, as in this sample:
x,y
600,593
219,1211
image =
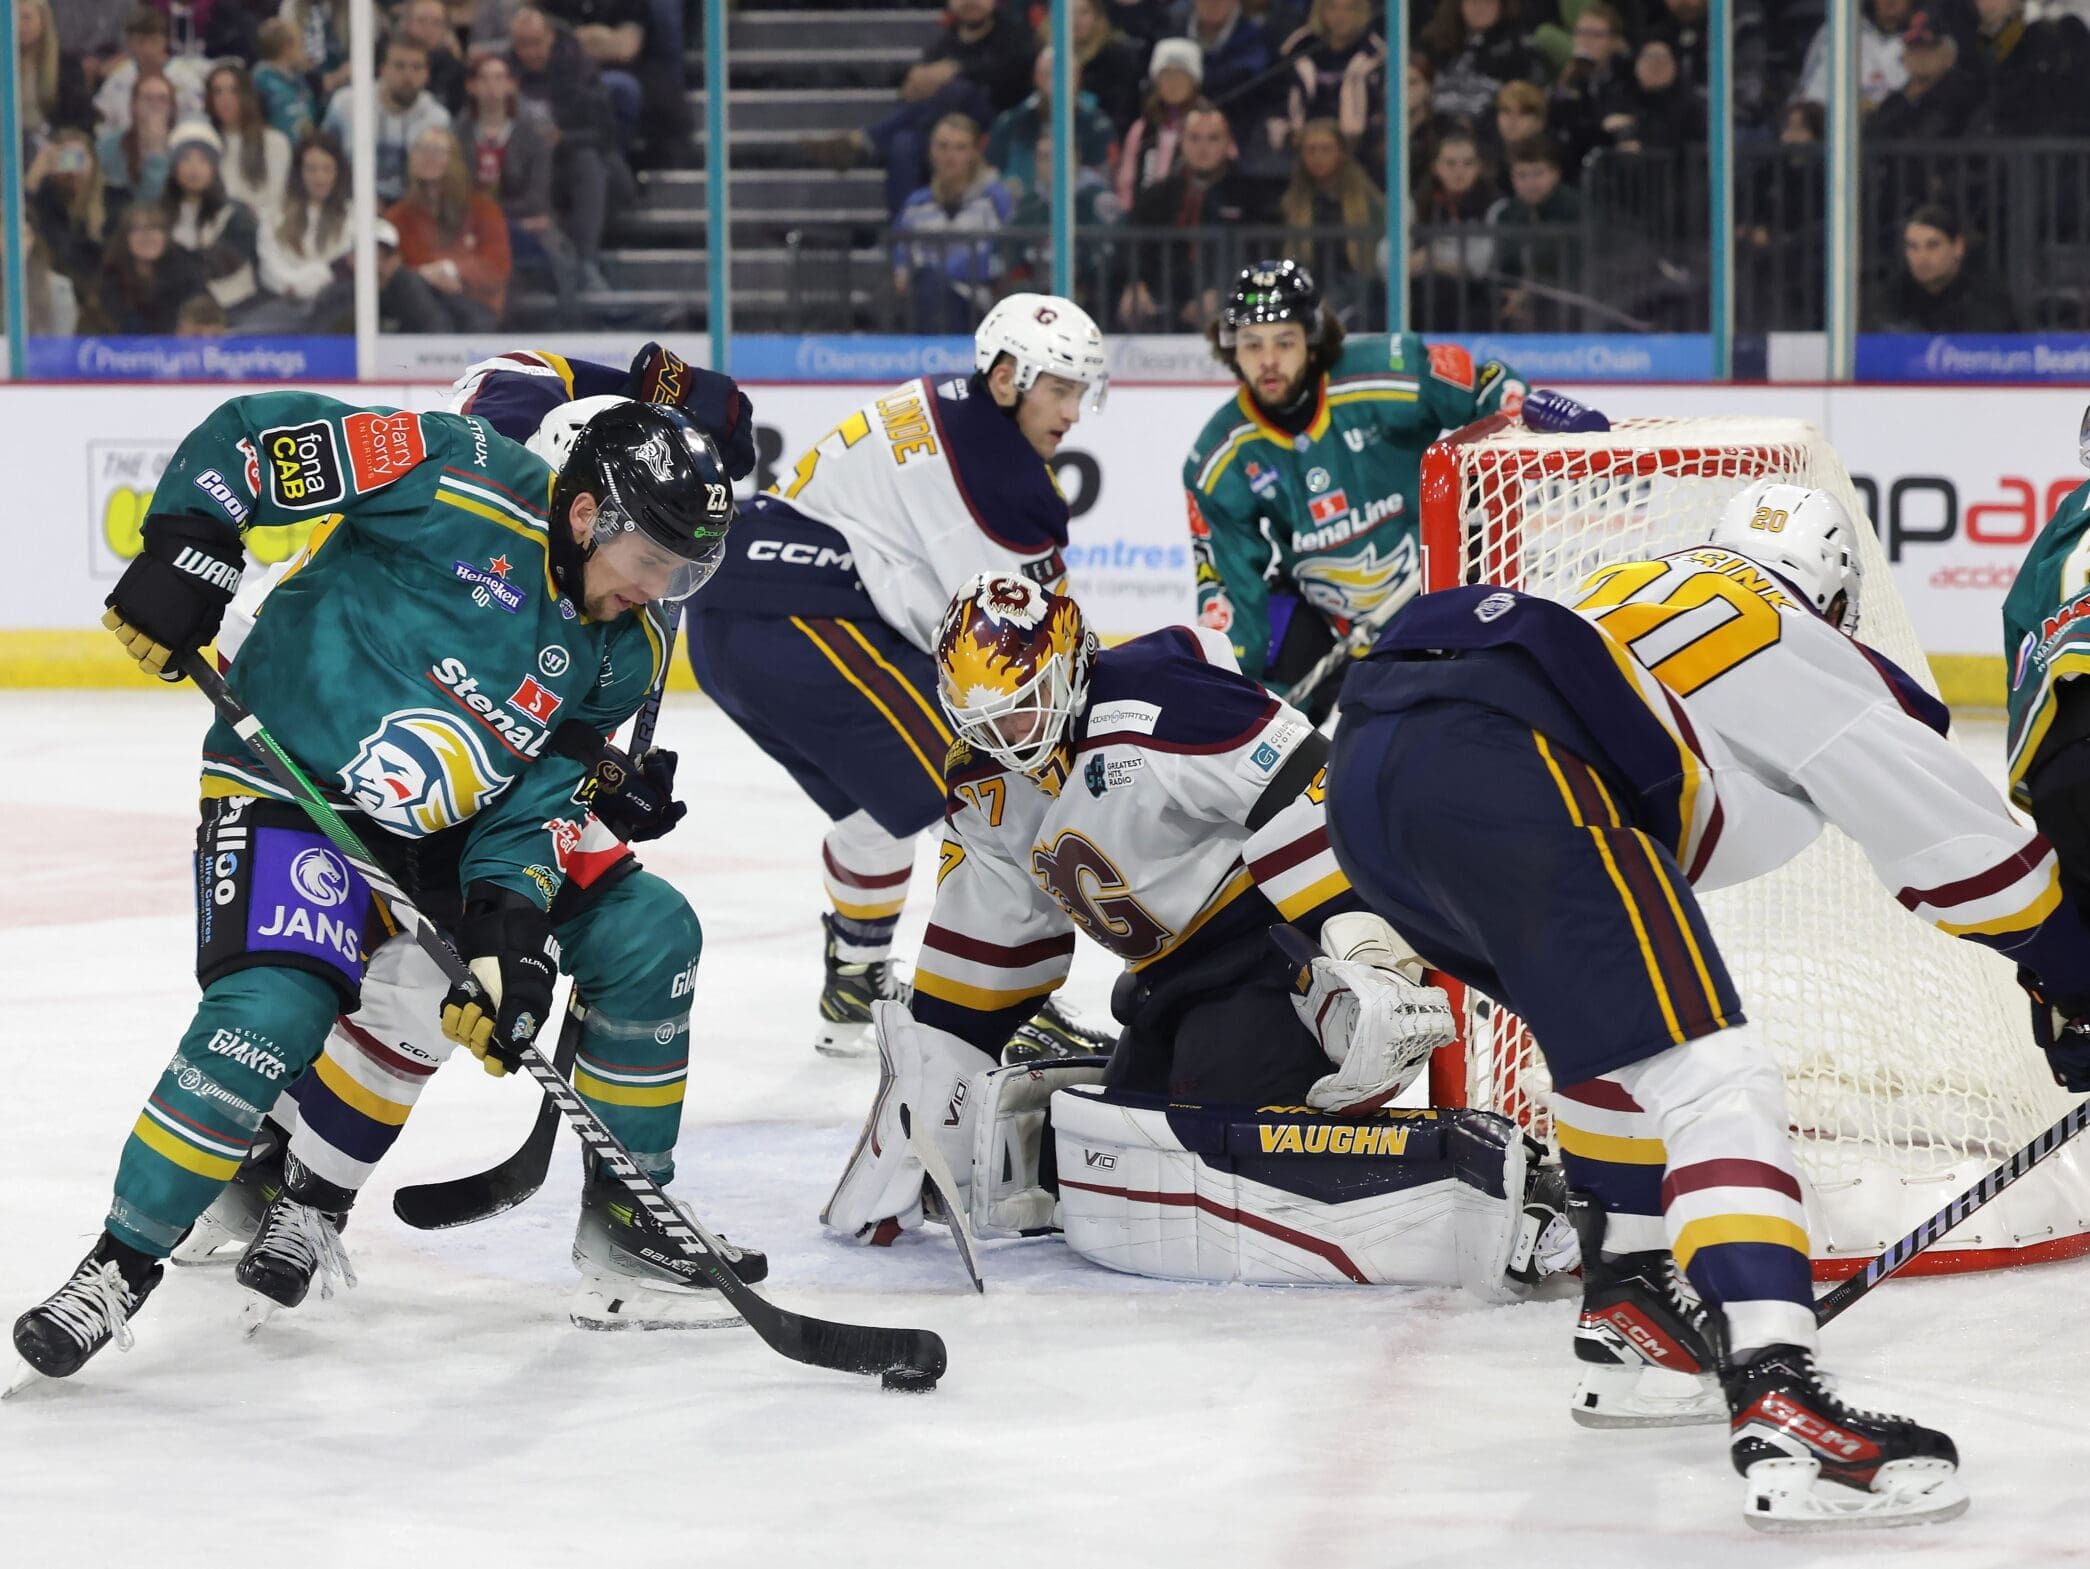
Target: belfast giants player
x,y
1157,801
816,639
1529,793
433,717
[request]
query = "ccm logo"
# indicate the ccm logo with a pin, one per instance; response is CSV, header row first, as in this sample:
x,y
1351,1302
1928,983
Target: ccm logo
x,y
800,555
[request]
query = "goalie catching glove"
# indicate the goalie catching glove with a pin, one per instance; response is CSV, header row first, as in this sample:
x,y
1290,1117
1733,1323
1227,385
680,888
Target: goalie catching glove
x,y
508,943
1362,998
2061,1026
171,599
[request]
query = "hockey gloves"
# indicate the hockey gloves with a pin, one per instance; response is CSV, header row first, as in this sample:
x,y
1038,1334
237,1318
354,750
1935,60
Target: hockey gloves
x,y
1556,414
633,797
172,597
714,402
508,943
1376,1025
2061,1026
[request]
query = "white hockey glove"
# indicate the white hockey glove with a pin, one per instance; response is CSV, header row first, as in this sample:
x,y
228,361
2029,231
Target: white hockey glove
x,y
928,1075
1377,1025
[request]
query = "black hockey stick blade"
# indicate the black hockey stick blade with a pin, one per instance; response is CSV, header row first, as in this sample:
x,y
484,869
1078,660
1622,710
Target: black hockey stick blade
x,y
464,1201
1895,1258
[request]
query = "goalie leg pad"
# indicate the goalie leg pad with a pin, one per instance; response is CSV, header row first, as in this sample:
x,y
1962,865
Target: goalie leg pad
x,y
1287,1196
927,1081
1009,1197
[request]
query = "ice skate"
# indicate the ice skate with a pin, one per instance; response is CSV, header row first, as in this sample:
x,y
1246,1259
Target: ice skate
x,y
222,1232
1642,1340
632,1277
299,1238
57,1336
846,997
1813,1463
1051,1033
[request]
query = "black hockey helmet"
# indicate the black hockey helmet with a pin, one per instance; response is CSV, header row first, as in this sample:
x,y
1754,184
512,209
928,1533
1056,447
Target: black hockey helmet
x,y
656,478
1271,291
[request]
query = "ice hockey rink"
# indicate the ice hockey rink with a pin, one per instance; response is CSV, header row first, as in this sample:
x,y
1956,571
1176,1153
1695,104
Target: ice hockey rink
x,y
444,1412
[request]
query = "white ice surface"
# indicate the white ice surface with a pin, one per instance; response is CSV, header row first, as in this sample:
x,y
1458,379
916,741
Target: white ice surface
x,y
445,1412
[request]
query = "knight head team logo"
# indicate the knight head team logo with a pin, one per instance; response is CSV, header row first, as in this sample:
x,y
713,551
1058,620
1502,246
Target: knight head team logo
x,y
421,771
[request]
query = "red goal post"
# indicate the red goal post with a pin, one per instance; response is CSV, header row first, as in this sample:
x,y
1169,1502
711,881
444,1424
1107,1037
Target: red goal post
x,y
1909,1067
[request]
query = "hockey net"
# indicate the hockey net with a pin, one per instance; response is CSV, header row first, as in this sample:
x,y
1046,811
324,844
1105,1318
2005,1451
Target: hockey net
x,y
1909,1067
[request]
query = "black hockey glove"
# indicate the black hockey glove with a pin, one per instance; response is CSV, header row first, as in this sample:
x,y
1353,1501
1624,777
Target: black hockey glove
x,y
172,597
716,403
508,943
2061,1026
633,796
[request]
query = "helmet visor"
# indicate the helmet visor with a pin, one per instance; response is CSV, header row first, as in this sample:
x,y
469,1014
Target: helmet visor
x,y
649,569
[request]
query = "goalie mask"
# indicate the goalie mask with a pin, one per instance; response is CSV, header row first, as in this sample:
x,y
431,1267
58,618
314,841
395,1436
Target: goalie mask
x,y
1012,667
1805,536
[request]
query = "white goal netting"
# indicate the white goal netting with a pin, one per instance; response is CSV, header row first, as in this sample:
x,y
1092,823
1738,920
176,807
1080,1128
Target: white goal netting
x,y
1908,1062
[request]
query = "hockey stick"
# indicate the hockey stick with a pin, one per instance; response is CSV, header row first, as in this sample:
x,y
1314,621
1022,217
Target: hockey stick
x,y
1362,634
463,1201
908,1358
1836,1302
936,1171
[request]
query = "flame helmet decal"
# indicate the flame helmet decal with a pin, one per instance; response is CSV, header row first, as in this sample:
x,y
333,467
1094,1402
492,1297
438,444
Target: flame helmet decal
x,y
1012,666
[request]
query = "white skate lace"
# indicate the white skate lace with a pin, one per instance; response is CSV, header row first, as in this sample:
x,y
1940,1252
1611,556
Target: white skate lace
x,y
95,1300
308,1239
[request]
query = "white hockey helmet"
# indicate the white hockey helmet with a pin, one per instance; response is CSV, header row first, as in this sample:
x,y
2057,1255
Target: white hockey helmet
x,y
556,433
1804,535
1044,335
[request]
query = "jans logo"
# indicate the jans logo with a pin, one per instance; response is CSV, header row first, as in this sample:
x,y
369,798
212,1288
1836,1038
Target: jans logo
x,y
304,465
421,771
1326,509
319,877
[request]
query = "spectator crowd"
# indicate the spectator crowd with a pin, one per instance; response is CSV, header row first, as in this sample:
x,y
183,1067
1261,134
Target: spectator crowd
x,y
1555,150
187,163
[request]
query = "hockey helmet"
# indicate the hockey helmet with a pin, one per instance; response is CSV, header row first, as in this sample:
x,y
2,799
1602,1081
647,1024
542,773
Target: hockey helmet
x,y
1271,291
1012,665
664,499
556,433
1046,336
1804,535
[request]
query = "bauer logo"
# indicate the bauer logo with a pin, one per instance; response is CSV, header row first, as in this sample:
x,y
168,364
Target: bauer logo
x,y
304,465
421,771
320,876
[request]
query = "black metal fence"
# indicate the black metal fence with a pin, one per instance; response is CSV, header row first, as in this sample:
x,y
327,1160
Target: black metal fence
x,y
1635,260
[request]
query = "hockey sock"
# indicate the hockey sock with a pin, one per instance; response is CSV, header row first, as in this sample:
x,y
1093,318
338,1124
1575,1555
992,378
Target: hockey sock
x,y
1731,1197
1611,1151
254,1032
866,871
633,955
353,1104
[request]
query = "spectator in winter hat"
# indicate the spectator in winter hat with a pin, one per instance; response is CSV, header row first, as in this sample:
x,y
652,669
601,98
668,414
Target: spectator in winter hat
x,y
1149,153
205,220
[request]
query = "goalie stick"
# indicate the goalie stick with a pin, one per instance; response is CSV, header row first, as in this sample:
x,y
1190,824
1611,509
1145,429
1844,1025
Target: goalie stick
x,y
1362,634
463,1201
1835,1302
908,1358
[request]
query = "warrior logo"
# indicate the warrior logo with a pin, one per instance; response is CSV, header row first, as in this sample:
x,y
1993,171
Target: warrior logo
x,y
421,771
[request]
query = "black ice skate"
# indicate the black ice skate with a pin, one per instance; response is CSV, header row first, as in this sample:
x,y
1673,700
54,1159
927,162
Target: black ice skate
x,y
633,1277
1814,1463
846,997
1052,1033
300,1237
59,1334
1643,1341
222,1232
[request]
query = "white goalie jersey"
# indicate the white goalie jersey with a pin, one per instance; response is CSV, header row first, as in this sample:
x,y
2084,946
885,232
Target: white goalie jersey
x,y
1190,809
930,484
1794,725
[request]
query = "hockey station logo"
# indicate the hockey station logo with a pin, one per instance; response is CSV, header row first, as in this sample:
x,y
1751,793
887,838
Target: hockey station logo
x,y
421,771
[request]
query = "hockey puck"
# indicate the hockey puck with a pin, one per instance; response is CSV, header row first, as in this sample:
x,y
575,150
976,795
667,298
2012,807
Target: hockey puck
x,y
908,1380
